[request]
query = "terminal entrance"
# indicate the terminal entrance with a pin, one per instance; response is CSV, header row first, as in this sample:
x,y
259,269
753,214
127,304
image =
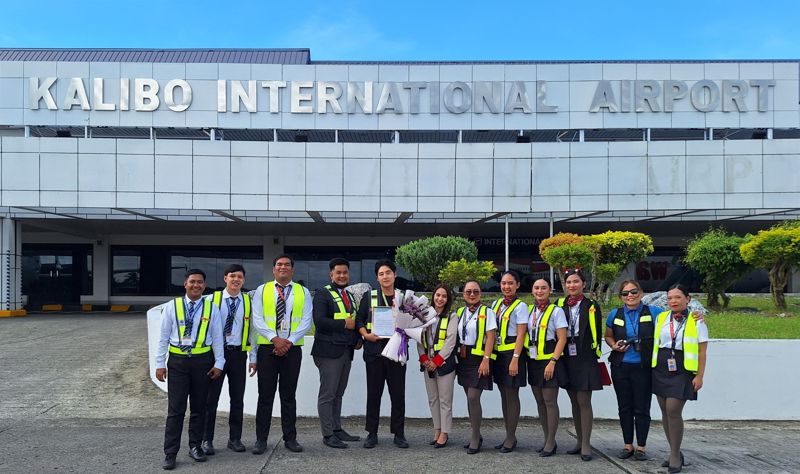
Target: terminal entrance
x,y
56,274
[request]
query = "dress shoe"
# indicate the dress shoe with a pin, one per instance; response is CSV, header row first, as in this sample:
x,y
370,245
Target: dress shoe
x,y
547,454
539,450
574,450
345,436
626,453
207,447
672,470
466,445
586,457
236,445
400,441
498,446
293,446
333,441
438,445
504,449
168,463
432,442
260,447
475,450
196,453
371,441
640,456
683,462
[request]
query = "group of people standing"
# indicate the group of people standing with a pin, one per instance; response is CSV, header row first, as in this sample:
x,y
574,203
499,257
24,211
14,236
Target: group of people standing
x,y
548,345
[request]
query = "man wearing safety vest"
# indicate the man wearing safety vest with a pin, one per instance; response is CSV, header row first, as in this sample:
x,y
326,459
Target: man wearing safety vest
x,y
281,318
234,312
335,341
190,331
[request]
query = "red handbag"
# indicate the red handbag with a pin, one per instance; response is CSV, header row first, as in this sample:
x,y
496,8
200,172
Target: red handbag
x,y
605,378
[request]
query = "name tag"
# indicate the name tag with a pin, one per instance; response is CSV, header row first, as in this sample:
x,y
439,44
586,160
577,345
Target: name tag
x,y
672,366
284,324
618,322
186,341
572,349
646,318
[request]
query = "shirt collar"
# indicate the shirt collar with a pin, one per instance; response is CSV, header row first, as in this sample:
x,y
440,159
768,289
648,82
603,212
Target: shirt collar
x,y
187,300
225,294
633,312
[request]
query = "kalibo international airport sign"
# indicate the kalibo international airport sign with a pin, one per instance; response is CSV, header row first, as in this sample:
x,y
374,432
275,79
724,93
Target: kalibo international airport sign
x,y
368,97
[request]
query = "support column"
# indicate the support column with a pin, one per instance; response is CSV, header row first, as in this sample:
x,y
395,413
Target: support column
x,y
10,268
273,246
101,273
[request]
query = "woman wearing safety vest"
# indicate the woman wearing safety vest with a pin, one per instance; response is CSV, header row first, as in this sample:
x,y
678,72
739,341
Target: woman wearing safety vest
x,y
509,374
584,336
629,333
546,340
438,362
477,327
678,367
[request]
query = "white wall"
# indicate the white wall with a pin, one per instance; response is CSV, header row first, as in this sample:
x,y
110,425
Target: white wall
x,y
745,380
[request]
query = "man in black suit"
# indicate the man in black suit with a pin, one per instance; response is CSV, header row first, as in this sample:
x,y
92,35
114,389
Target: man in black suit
x,y
334,342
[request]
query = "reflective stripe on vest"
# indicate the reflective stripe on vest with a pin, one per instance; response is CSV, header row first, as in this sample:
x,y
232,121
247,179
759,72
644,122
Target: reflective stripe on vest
x,y
691,343
373,303
270,310
502,345
592,324
337,298
441,335
245,321
479,339
202,331
542,332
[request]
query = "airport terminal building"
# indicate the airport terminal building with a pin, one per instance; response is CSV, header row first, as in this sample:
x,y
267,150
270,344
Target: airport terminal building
x,y
119,169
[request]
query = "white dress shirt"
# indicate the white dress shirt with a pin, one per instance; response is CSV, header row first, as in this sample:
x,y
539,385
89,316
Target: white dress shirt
x,y
518,316
469,322
169,332
557,321
235,338
260,326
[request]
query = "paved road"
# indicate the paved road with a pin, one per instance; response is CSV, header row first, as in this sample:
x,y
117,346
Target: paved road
x,y
76,397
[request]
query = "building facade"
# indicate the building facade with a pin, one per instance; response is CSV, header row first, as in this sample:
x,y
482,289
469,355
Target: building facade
x,y
119,169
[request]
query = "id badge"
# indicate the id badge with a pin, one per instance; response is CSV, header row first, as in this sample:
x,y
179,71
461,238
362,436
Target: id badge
x,y
284,325
572,349
672,366
186,341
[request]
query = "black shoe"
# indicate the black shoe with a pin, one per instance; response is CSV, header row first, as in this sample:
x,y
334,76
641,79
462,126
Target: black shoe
x,y
168,463
672,470
539,450
371,441
207,447
504,449
574,450
293,446
343,435
196,453
437,444
547,454
640,456
683,462
626,453
498,446
432,442
333,441
665,463
400,441
260,447
236,445
466,445
586,457
475,450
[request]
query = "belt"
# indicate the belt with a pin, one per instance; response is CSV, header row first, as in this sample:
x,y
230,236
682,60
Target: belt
x,y
191,356
233,348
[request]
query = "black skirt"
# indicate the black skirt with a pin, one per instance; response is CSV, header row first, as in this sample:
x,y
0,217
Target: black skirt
x,y
676,384
582,368
536,374
467,372
500,370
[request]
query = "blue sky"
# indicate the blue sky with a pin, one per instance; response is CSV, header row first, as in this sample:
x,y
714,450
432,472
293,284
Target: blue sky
x,y
351,30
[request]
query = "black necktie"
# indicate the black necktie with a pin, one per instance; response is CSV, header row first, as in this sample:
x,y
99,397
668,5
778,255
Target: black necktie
x,y
280,306
187,332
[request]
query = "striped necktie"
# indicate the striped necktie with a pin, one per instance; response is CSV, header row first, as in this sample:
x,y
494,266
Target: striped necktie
x,y
228,329
280,306
187,332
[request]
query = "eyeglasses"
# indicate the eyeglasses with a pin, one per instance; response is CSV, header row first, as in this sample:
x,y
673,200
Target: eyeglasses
x,y
472,292
629,292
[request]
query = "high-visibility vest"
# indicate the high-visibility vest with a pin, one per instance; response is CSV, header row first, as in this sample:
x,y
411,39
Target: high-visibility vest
x,y
592,323
440,335
691,344
245,321
541,352
503,344
645,335
337,298
270,310
199,346
479,339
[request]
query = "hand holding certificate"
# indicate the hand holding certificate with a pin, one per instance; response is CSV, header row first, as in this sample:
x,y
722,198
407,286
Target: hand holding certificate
x,y
383,321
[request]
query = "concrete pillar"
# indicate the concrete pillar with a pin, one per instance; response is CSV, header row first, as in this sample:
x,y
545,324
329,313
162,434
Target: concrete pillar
x,y
10,268
101,273
273,246
794,282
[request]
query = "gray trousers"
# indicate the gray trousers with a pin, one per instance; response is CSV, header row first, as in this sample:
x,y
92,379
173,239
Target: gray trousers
x,y
440,400
333,376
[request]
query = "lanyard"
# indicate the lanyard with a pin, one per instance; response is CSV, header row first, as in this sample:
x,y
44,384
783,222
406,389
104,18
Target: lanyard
x,y
287,289
673,333
534,326
573,320
467,322
633,323
190,314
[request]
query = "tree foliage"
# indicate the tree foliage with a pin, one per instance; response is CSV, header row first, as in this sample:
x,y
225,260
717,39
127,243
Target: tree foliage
x,y
425,258
715,255
612,251
458,272
568,255
776,250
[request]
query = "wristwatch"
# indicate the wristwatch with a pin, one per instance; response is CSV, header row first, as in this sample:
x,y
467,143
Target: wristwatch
x,y
516,356
553,359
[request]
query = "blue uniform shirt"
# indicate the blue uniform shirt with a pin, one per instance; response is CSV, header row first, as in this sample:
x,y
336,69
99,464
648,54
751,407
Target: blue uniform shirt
x,y
631,317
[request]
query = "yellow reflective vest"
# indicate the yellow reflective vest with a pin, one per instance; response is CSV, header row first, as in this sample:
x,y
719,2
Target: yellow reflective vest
x,y
246,319
502,324
480,342
542,324
691,344
592,324
199,346
270,310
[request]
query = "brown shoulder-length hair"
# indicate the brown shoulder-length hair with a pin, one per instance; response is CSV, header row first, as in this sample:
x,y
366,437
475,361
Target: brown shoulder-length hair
x,y
630,282
449,304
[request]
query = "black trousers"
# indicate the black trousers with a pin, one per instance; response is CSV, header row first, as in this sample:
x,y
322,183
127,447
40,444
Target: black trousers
x,y
186,377
380,371
236,372
271,370
632,383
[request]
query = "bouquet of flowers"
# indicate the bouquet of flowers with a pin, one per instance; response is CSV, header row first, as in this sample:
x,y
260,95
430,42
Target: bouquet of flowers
x,y
412,316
